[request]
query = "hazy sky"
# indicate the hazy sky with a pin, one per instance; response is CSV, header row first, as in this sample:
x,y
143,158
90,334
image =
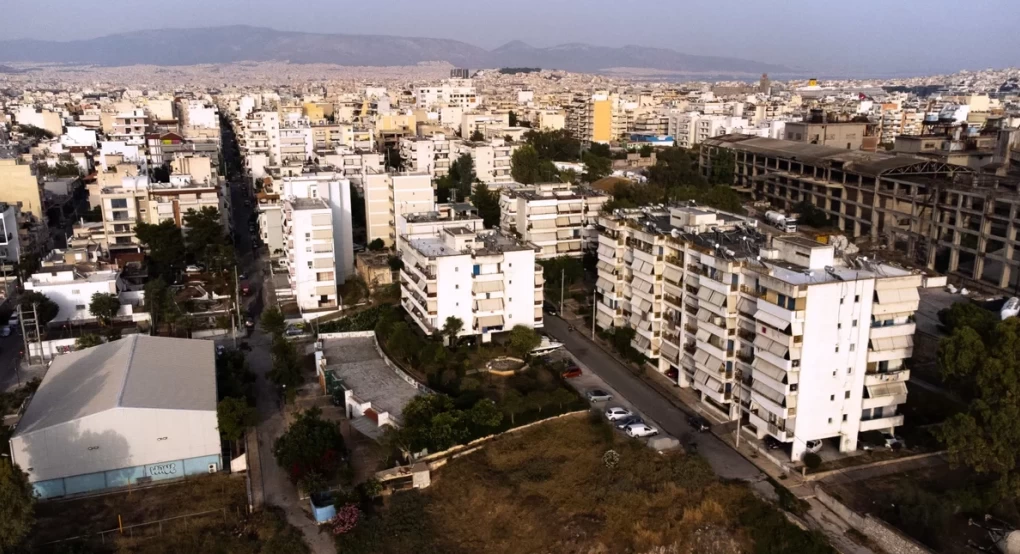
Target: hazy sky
x,y
826,36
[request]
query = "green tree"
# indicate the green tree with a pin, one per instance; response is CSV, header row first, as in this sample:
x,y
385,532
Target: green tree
x,y
485,414
561,396
273,321
45,308
513,118
561,268
104,307
722,167
235,416
523,340
165,245
160,303
17,507
528,168
451,328
205,236
555,145
32,131
286,372
513,404
310,445
986,437
646,151
477,136
968,314
596,167
462,173
376,245
811,215
487,202
87,341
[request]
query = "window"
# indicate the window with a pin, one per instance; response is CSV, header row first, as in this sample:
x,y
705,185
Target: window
x,y
118,203
844,417
830,420
857,298
852,347
456,286
79,306
75,291
839,326
841,301
308,235
849,370
832,398
309,265
837,348
855,323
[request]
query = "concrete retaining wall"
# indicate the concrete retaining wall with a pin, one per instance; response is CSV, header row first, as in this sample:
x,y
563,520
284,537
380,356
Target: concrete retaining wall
x,y
884,535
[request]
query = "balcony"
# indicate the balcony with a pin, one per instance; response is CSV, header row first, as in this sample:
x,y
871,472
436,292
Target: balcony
x,y
881,423
888,331
880,378
751,291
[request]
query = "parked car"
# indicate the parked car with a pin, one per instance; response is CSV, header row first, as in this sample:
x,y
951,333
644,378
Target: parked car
x,y
294,331
193,269
598,395
893,441
249,323
699,423
628,421
220,350
640,430
549,308
5,331
572,372
813,445
616,413
772,443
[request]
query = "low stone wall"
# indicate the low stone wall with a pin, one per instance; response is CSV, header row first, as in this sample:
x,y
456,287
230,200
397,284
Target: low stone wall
x,y
884,535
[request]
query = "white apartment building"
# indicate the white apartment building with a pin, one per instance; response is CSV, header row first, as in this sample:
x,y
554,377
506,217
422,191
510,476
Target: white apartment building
x,y
429,155
10,242
71,289
557,219
452,92
489,281
391,195
491,159
760,329
432,223
472,123
333,189
692,128
130,127
355,163
260,136
308,242
296,141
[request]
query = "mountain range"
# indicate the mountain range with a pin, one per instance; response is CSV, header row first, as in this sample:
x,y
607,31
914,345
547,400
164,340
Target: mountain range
x,y
240,43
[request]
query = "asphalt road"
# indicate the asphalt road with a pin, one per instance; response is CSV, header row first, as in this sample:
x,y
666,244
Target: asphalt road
x,y
725,461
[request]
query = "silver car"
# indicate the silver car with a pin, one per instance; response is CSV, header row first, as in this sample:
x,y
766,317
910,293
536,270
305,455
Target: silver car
x,y
640,430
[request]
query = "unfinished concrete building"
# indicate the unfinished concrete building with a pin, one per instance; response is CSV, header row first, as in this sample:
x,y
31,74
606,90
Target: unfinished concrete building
x,y
948,218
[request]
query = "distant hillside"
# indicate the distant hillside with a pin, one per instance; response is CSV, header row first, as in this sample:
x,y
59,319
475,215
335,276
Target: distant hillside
x,y
243,43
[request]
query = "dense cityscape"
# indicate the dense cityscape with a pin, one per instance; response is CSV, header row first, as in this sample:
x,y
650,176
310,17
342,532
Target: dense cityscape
x,y
278,307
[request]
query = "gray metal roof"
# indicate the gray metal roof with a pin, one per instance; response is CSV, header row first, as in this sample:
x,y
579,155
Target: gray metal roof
x,y
138,371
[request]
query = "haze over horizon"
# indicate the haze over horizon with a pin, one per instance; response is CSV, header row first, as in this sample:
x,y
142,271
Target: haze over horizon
x,y
864,37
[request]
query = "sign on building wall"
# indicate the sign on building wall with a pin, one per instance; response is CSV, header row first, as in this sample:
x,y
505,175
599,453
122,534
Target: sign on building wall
x,y
165,470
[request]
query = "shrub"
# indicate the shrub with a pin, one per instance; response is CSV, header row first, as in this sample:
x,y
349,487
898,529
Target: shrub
x,y
812,460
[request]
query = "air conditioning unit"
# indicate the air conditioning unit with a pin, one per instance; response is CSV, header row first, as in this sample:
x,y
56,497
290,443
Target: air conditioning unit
x,y
213,468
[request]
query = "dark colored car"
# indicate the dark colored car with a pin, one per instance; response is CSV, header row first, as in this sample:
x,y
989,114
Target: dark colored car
x,y
772,443
549,308
699,423
628,421
572,372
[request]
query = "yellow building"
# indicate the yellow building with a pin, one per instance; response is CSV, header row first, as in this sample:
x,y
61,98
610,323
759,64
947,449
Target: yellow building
x,y
602,120
20,187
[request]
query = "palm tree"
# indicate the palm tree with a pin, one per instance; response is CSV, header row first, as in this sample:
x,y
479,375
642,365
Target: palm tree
x,y
452,328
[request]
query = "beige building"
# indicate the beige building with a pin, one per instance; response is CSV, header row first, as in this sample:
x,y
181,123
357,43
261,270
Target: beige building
x,y
19,186
390,195
847,135
491,159
558,220
374,269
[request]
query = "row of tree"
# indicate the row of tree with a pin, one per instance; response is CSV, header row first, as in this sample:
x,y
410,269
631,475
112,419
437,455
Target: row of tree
x,y
676,177
169,248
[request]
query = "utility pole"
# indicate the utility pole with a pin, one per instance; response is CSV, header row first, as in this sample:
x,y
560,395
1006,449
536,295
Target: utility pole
x,y
563,279
594,300
38,337
24,336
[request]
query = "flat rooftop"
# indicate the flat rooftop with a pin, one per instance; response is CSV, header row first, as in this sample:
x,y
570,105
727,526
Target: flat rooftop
x,y
357,363
308,203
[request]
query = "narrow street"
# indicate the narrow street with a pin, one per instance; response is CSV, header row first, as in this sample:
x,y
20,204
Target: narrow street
x,y
277,488
726,462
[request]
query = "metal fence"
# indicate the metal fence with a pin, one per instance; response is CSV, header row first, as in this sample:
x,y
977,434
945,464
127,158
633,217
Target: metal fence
x,y
143,530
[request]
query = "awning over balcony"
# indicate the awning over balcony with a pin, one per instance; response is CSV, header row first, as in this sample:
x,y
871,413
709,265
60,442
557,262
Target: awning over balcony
x,y
490,305
671,274
701,357
747,306
606,267
607,251
773,320
605,284
892,343
543,224
768,392
703,335
765,368
669,351
604,320
887,389
704,315
543,210
490,321
642,285
487,286
640,266
767,344
898,296
645,306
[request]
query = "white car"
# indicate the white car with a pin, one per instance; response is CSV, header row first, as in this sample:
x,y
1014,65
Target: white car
x,y
613,414
13,321
641,430
813,445
5,331
893,441
193,269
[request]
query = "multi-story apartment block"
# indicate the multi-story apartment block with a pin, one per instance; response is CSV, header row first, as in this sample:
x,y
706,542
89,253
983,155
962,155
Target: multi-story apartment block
x,y
10,241
260,136
488,281
296,141
391,195
426,154
491,159
557,219
761,330
692,128
596,117
335,190
447,216
130,127
308,243
945,217
453,92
